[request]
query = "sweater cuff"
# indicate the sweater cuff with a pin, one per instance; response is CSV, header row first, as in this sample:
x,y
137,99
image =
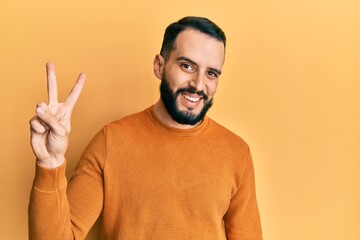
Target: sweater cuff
x,y
49,180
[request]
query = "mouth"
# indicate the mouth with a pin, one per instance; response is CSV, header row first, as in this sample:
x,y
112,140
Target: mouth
x,y
191,98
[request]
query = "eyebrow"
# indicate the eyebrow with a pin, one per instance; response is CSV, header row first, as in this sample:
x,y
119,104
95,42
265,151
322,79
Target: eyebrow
x,y
191,61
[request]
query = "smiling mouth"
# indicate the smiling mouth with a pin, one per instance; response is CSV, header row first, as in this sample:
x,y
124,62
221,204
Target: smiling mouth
x,y
191,99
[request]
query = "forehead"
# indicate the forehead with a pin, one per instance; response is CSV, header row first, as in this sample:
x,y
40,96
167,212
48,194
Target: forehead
x,y
199,47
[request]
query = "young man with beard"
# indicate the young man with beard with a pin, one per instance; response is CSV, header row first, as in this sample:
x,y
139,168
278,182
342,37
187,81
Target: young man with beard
x,y
168,172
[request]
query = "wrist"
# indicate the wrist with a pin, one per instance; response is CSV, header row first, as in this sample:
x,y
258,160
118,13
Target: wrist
x,y
51,163
50,180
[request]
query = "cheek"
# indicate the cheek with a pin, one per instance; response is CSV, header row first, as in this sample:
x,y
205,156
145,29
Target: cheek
x,y
211,88
178,79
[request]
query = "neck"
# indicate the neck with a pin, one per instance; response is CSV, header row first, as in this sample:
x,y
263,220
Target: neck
x,y
162,114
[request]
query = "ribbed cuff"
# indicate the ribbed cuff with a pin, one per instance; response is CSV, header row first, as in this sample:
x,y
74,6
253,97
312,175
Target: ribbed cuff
x,y
50,180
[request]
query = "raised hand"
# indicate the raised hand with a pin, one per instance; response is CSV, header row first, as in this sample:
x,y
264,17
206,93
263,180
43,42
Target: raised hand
x,y
51,125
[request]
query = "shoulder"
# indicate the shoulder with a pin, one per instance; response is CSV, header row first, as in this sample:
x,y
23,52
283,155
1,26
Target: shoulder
x,y
225,135
229,145
128,128
131,121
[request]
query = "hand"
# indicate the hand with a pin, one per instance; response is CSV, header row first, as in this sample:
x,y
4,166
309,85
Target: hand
x,y
51,125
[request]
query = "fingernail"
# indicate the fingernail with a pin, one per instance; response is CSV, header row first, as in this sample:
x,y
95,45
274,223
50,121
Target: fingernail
x,y
40,111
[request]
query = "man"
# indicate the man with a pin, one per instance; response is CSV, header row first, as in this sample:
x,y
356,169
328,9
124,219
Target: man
x,y
168,172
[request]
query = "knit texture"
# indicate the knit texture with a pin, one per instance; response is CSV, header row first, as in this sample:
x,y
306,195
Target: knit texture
x,y
151,181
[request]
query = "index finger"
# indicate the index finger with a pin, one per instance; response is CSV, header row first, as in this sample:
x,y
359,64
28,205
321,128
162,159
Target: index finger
x,y
76,90
51,83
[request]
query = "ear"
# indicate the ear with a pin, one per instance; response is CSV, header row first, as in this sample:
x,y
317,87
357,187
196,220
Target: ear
x,y
159,64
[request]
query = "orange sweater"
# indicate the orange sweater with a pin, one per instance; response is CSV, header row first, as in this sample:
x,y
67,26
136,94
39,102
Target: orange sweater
x,y
151,182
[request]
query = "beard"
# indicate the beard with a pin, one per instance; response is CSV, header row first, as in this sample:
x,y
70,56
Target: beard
x,y
183,117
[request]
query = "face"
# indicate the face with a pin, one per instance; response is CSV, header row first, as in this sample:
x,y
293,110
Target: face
x,y
169,99
190,76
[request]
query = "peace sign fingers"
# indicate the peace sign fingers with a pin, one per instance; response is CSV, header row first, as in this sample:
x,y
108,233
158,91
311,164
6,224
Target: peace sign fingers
x,y
51,125
53,89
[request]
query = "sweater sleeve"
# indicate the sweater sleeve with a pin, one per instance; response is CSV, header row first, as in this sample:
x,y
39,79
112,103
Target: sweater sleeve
x,y
242,220
61,210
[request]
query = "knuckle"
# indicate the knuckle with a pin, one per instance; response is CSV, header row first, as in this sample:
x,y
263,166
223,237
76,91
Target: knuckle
x,y
40,104
32,120
63,132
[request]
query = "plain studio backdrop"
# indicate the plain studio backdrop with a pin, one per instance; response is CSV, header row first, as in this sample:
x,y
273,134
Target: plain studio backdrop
x,y
290,88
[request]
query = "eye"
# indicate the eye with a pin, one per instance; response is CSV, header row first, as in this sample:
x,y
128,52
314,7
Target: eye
x,y
187,67
213,74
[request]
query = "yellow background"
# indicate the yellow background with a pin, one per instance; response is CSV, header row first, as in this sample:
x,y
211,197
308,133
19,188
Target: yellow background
x,y
290,88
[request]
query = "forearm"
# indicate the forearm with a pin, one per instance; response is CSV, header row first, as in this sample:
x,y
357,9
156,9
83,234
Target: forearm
x,y
49,212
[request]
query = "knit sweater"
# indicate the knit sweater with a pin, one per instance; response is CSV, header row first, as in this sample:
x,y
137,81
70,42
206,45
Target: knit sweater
x,y
151,181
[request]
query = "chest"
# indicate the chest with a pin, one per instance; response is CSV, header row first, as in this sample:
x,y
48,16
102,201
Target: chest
x,y
187,176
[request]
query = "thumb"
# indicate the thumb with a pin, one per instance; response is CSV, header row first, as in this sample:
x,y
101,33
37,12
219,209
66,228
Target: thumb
x,y
43,112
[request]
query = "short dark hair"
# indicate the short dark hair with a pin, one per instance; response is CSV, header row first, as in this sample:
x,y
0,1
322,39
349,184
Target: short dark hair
x,y
200,24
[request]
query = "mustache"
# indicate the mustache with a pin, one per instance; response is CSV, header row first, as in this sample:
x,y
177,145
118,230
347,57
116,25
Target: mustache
x,y
192,90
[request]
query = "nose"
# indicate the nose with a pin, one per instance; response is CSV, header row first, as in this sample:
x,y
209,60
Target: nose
x,y
198,82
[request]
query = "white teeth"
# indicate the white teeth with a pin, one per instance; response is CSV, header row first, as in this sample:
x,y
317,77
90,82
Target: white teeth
x,y
193,99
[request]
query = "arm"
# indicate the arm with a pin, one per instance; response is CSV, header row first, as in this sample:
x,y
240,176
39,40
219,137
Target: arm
x,y
242,220
58,210
50,215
